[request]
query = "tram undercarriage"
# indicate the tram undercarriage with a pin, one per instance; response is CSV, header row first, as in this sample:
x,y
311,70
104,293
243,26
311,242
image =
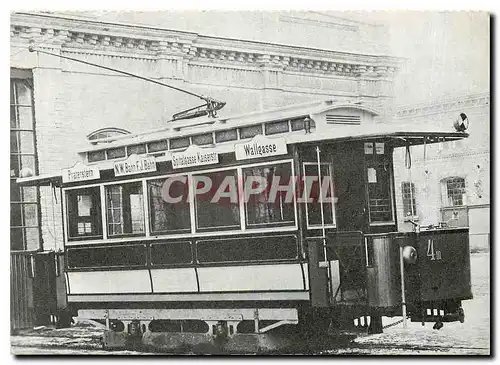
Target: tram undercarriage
x,y
251,330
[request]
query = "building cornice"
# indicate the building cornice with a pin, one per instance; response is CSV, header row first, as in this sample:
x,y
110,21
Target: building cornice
x,y
90,36
443,106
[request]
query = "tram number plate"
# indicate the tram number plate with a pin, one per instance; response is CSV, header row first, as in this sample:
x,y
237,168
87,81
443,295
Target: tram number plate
x,y
434,254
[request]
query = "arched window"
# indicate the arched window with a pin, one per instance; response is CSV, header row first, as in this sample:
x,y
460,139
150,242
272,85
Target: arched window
x,y
453,191
100,135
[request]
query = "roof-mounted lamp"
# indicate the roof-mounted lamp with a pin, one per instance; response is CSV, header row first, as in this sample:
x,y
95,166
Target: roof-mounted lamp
x,y
461,123
307,124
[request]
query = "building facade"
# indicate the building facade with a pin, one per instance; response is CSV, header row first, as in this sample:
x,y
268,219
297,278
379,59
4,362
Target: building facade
x,y
71,102
448,182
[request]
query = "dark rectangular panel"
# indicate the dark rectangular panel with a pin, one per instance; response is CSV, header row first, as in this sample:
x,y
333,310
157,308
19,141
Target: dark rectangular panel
x,y
137,149
444,264
203,139
114,256
276,127
250,131
266,248
171,253
318,277
96,156
116,152
179,142
227,135
158,146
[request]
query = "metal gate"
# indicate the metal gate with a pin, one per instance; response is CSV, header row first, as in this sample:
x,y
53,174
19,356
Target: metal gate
x,y
35,288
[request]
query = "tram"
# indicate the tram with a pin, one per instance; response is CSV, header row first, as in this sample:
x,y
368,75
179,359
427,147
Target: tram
x,y
268,229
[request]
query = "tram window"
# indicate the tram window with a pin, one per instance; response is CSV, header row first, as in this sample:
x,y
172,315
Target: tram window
x,y
96,156
227,135
250,131
203,139
116,152
169,205
138,149
125,209
158,146
179,142
268,205
84,213
297,124
313,192
379,192
218,207
276,127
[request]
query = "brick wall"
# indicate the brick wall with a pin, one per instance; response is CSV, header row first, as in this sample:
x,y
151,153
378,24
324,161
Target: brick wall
x,y
72,100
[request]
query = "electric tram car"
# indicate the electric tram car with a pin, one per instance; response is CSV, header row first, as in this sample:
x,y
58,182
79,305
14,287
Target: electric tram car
x,y
266,229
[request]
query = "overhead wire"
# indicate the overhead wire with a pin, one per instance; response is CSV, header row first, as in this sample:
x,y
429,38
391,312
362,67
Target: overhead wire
x,y
32,49
212,105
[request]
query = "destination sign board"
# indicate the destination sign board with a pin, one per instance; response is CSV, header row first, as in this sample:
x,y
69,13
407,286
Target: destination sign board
x,y
261,146
80,172
194,156
135,165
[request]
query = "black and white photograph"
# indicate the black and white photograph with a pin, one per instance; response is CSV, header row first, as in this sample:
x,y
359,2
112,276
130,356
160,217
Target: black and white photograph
x,y
250,182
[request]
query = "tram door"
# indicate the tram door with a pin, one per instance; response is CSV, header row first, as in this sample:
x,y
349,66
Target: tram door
x,y
349,184
345,244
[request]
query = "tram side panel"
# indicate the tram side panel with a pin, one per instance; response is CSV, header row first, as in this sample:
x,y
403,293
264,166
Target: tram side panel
x,y
227,269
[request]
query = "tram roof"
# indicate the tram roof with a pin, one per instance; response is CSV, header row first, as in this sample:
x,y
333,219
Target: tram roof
x,y
314,110
399,134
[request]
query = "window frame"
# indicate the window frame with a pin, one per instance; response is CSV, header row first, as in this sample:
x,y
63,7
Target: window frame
x,y
148,197
193,233
197,229
16,77
67,220
373,163
273,224
445,197
110,132
413,200
132,234
334,213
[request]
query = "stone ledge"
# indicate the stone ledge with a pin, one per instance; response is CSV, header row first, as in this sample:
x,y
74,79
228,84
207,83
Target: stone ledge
x,y
86,36
443,106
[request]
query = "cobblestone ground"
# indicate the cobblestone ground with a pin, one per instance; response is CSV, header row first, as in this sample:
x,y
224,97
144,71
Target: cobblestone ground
x,y
469,338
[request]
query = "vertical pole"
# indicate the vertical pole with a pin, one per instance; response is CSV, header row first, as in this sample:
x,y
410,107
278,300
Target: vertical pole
x,y
323,230
145,206
412,208
403,294
104,221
